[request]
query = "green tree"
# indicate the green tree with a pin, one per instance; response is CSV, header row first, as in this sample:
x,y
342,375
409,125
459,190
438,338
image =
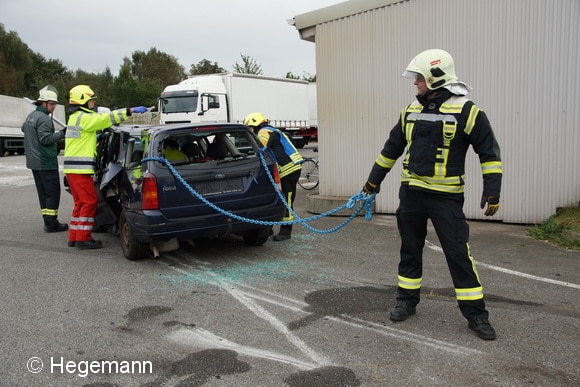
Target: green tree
x,y
9,81
152,71
24,72
205,67
156,67
124,87
18,62
49,72
248,66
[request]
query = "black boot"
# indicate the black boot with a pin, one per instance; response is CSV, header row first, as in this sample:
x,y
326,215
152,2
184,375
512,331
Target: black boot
x,y
482,328
285,234
402,311
51,224
90,244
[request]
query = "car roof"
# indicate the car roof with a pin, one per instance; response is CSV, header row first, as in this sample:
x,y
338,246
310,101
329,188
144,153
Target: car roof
x,y
137,130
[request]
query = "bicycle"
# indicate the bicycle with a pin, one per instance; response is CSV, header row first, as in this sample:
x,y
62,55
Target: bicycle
x,y
309,175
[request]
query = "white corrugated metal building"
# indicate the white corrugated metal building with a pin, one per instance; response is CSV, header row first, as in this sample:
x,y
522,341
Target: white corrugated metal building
x,y
522,58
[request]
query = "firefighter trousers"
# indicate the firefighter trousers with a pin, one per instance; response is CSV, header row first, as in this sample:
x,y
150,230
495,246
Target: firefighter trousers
x,y
82,221
48,188
288,186
448,219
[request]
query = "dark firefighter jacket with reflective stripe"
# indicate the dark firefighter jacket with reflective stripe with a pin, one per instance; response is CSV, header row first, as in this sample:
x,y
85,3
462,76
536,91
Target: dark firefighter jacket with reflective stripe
x,y
436,135
287,156
40,140
81,138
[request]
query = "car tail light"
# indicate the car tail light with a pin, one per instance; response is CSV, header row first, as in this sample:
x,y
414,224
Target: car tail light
x,y
149,194
276,176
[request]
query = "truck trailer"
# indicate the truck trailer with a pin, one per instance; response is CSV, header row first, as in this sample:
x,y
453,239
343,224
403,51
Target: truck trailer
x,y
230,97
13,113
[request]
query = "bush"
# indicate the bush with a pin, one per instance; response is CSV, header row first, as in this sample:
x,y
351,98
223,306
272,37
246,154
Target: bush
x,y
561,229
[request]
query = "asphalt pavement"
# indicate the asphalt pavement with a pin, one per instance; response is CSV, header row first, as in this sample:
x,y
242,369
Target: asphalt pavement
x,y
312,311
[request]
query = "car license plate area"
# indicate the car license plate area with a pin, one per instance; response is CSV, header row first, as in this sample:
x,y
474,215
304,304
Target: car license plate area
x,y
216,187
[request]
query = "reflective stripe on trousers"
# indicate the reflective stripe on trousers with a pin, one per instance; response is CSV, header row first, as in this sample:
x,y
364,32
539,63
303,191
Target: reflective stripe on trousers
x,y
82,188
446,214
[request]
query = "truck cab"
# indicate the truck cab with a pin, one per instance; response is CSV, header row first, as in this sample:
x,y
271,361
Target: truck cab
x,y
194,100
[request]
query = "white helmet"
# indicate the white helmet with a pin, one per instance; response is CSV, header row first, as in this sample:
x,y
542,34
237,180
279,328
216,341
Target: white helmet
x,y
435,65
48,93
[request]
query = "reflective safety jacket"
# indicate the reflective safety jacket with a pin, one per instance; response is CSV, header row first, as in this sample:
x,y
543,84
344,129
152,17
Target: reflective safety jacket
x,y
436,134
287,157
80,149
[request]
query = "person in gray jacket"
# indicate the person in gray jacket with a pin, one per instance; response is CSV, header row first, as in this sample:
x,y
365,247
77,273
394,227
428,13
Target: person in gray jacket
x,y
40,149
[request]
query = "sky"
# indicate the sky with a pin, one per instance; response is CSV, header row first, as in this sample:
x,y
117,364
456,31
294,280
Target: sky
x,y
91,35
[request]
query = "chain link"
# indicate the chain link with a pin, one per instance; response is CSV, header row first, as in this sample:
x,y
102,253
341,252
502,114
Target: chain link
x,y
367,201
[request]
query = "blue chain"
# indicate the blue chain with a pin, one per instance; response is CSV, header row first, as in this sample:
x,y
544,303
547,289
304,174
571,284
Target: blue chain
x,y
365,198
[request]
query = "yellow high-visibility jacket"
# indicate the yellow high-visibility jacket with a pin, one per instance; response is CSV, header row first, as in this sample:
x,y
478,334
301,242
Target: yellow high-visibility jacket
x,y
81,137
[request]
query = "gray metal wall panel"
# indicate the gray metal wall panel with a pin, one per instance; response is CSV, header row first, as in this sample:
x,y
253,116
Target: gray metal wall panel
x,y
521,57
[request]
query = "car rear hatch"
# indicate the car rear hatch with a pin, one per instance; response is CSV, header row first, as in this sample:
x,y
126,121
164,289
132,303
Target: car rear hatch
x,y
235,181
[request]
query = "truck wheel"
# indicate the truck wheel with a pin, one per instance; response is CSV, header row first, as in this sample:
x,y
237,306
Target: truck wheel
x,y
257,237
132,249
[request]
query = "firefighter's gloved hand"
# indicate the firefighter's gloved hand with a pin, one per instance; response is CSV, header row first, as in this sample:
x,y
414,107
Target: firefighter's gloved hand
x,y
140,109
371,188
492,204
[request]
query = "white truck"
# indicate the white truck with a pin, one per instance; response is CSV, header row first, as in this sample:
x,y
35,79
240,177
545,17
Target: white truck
x,y
230,97
13,113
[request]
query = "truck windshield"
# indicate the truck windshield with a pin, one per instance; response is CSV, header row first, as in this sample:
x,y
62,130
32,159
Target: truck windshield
x,y
178,103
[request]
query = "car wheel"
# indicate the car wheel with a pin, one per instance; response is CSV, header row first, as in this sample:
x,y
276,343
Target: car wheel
x,y
257,237
132,249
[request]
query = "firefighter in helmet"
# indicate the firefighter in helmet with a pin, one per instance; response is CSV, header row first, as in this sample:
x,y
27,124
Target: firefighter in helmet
x,y
80,160
41,151
436,131
288,160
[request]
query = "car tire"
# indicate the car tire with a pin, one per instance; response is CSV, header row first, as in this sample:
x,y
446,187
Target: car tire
x,y
257,237
132,249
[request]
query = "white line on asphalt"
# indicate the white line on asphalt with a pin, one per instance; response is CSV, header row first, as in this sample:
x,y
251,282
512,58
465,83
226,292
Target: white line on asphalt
x,y
265,315
399,334
512,272
201,338
530,276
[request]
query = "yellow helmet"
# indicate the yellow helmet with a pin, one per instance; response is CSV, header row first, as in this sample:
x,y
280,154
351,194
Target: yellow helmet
x,y
255,119
81,94
435,65
48,93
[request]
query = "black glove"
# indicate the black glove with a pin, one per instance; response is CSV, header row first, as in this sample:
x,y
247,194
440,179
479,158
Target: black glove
x,y
371,188
492,204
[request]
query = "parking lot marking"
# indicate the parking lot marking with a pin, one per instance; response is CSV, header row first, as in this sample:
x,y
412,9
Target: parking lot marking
x,y
400,334
512,272
262,313
201,338
529,276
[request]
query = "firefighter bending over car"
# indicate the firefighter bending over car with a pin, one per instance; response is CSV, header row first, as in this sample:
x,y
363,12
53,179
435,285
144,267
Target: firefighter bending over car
x,y
288,160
